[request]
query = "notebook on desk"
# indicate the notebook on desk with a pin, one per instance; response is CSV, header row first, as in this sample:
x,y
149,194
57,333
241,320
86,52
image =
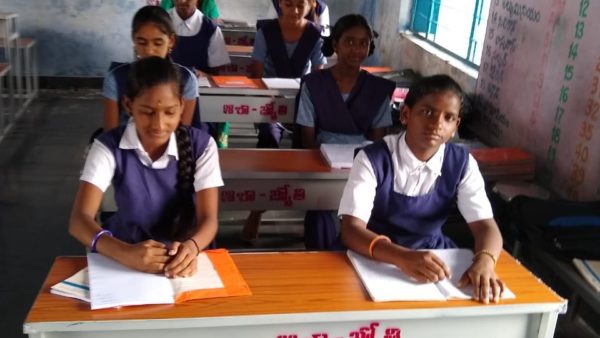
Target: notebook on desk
x,y
281,83
385,282
106,283
232,81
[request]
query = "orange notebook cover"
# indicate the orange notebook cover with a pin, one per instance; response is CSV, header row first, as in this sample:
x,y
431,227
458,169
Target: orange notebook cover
x,y
224,81
233,282
376,69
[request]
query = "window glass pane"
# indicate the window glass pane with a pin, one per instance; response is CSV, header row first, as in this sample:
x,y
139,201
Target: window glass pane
x,y
455,25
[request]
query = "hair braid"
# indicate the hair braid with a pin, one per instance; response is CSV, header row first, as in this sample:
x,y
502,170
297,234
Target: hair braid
x,y
184,222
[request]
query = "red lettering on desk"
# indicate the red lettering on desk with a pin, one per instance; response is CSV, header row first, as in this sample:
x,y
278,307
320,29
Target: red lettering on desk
x,y
299,194
242,110
287,336
269,110
365,331
392,332
228,109
320,335
281,194
246,196
227,196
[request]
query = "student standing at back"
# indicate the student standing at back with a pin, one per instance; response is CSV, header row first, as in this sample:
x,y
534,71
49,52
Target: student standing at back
x,y
402,189
165,177
342,105
286,47
153,34
200,44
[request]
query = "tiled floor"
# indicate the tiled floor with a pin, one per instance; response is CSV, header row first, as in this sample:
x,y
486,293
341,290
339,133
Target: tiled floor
x,y
39,163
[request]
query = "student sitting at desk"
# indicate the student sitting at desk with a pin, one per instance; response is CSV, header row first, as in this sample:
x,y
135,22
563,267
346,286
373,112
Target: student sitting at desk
x,y
200,46
286,47
207,7
321,17
200,43
402,188
153,34
165,177
344,105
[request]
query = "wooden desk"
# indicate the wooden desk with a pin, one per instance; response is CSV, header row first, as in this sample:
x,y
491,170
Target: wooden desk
x,y
234,34
241,58
247,105
301,295
275,179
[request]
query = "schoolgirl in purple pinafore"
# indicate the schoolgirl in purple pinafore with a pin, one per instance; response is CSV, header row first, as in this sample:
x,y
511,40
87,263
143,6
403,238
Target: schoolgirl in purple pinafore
x,y
120,71
146,198
354,116
269,134
192,51
415,221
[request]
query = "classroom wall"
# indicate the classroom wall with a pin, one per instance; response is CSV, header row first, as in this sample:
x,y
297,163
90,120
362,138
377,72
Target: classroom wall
x,y
76,38
79,38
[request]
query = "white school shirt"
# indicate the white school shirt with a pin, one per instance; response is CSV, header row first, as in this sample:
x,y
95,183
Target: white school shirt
x,y
100,164
217,51
412,177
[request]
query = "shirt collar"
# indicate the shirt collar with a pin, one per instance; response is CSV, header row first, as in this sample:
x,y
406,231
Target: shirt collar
x,y
194,22
414,164
130,140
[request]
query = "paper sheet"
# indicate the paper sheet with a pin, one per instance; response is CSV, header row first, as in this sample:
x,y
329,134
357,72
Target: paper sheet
x,y
112,284
385,282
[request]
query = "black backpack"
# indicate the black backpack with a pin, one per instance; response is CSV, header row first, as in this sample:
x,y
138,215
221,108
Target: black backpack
x,y
567,228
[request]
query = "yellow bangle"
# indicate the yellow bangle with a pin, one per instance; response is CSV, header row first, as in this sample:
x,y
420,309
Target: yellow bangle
x,y
487,253
374,242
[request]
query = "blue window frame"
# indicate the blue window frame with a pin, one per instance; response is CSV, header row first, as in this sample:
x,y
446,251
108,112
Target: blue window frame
x,y
456,26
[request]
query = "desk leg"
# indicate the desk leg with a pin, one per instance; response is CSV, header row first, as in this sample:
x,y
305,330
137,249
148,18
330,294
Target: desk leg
x,y
547,325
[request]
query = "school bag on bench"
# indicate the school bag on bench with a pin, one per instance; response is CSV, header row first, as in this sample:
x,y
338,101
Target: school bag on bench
x,y
567,228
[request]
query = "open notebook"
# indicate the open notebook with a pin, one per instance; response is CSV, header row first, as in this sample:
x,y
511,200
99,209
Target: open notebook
x,y
106,283
385,282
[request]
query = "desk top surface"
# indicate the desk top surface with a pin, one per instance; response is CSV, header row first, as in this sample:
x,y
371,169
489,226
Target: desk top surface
x,y
299,283
494,163
303,164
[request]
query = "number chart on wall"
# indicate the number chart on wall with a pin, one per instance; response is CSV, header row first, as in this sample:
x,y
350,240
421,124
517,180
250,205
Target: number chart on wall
x,y
540,80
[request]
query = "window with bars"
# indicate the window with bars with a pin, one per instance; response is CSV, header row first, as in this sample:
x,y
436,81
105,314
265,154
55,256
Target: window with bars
x,y
456,26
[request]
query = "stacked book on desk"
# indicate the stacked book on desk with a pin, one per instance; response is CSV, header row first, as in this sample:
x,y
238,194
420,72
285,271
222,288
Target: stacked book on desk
x,y
504,163
106,283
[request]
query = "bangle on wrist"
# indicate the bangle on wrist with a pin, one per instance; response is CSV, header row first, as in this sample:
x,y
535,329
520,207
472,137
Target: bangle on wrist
x,y
196,245
97,237
375,241
487,253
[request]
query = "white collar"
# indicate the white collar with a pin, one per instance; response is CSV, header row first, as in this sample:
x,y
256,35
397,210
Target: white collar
x,y
413,164
192,23
130,140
